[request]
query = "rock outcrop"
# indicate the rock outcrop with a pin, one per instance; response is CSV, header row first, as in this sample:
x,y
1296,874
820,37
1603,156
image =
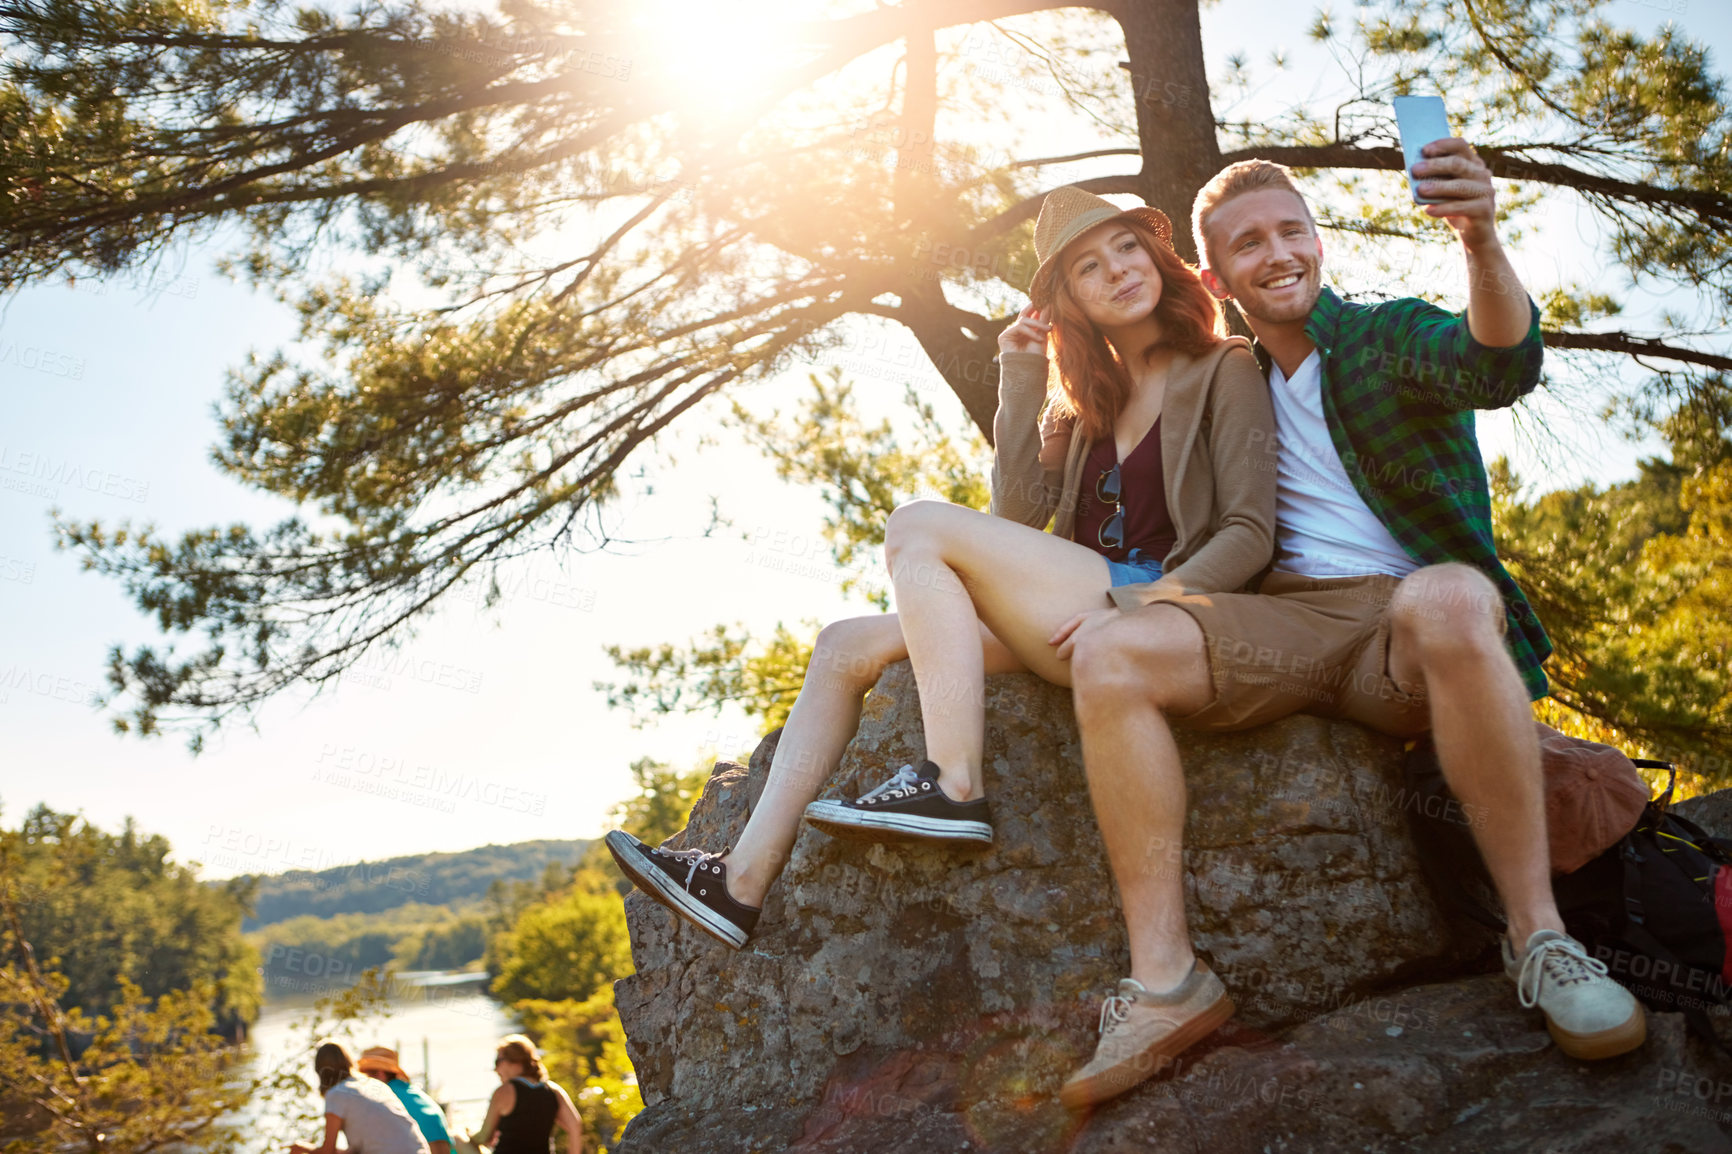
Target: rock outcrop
x,y
1711,811
912,999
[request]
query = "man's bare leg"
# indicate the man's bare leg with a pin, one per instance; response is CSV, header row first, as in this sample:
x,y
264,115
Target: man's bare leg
x,y
1445,635
1445,638
1128,669
1126,675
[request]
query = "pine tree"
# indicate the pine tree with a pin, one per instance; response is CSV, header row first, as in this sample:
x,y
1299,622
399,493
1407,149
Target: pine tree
x,y
733,217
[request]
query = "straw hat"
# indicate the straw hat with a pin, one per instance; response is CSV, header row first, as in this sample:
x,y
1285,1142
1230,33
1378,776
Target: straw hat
x,y
382,1059
1069,212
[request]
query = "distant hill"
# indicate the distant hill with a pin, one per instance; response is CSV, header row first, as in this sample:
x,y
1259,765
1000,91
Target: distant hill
x,y
435,879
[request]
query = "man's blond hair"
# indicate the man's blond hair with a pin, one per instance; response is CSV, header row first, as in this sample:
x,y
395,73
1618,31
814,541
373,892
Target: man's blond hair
x,y
1236,180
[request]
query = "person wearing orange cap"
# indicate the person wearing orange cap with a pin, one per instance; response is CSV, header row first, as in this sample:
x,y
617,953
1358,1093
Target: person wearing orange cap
x,y
380,1063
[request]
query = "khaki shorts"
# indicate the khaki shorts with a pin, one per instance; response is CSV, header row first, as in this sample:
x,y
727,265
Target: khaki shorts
x,y
1303,645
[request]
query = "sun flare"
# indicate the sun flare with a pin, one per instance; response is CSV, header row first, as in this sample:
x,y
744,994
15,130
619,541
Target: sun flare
x,y
718,57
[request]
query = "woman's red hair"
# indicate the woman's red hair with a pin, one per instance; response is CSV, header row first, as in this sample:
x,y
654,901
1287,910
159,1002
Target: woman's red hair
x,y
1095,383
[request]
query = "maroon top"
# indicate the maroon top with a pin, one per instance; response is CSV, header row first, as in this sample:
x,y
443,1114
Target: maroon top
x,y
1148,525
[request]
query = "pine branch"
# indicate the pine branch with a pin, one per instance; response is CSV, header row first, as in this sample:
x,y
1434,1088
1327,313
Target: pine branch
x,y
1511,164
1637,347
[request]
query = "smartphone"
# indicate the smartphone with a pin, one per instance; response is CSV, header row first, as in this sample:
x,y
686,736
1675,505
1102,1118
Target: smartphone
x,y
1420,120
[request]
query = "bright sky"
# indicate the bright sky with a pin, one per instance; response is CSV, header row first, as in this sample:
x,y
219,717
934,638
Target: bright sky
x,y
484,728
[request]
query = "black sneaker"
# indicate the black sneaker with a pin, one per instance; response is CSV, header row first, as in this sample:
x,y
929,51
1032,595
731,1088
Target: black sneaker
x,y
908,807
690,882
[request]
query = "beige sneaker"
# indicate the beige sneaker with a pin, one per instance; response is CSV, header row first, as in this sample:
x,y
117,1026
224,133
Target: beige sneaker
x,y
1142,1034
1589,1015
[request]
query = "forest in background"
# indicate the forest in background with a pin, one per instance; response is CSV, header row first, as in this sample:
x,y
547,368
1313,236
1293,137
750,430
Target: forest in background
x,y
124,977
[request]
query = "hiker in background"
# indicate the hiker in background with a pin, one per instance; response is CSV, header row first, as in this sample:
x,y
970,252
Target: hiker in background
x,y
367,1115
1138,438
1386,605
380,1063
522,1113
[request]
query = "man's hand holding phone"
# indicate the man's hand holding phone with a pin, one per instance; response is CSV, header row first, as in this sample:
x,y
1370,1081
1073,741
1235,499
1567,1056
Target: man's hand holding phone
x,y
1444,173
1458,183
1449,180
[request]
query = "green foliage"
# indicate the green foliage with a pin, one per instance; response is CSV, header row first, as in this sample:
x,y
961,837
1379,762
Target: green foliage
x,y
412,937
1559,84
662,803
726,666
863,473
1574,309
567,944
439,441
438,879
450,946
135,1074
583,1043
148,1074
567,947
1631,583
111,909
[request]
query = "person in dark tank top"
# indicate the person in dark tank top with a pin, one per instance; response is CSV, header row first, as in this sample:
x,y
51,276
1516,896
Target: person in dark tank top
x,y
527,1106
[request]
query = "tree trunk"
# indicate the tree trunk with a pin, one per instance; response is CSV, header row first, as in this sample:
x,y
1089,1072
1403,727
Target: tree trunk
x,y
953,338
1176,133
1175,123
962,355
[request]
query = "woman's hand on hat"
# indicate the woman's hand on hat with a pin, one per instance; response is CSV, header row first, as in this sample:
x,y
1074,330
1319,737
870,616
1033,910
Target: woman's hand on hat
x,y
1026,334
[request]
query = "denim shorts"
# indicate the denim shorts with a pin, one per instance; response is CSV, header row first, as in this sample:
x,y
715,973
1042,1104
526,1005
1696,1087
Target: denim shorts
x,y
1136,569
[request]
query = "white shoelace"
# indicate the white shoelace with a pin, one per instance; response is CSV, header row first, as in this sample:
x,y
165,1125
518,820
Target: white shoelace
x,y
901,785
1563,959
1115,1007
697,857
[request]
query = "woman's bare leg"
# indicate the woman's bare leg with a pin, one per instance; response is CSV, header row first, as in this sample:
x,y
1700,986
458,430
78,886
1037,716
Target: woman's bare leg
x,y
955,570
846,661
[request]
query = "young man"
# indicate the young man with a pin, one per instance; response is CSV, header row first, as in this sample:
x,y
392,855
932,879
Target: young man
x,y
1385,604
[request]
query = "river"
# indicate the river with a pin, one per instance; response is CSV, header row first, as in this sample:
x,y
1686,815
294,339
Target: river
x,y
442,1026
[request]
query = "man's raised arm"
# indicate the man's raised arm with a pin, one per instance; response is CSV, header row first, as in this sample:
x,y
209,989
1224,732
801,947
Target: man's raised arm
x,y
1498,314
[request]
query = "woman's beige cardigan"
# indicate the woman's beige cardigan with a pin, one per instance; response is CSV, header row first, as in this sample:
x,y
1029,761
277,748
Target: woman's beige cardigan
x,y
1217,458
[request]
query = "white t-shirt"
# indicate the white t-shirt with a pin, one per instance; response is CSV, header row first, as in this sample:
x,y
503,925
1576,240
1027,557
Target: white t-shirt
x,y
374,1121
1323,527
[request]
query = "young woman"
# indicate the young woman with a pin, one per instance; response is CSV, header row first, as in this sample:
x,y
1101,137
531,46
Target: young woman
x,y
364,1111
522,1113
1154,463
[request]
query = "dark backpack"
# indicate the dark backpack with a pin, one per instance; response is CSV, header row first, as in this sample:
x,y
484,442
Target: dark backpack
x,y
1655,907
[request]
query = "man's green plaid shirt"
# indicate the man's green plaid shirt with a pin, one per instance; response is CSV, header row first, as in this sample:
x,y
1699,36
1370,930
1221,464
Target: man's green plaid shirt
x,y
1401,380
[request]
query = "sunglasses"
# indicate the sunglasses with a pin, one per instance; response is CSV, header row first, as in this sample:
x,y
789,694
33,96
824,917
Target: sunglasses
x,y
1111,534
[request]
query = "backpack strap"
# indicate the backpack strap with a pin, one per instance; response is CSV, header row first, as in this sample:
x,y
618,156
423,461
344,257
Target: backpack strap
x,y
1717,849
